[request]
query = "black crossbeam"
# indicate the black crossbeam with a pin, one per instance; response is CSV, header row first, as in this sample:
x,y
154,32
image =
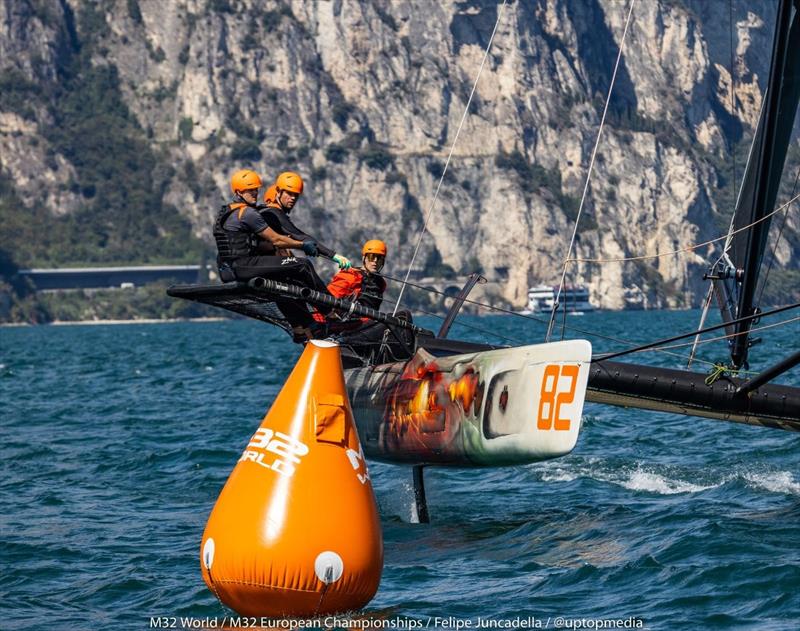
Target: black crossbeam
x,y
769,374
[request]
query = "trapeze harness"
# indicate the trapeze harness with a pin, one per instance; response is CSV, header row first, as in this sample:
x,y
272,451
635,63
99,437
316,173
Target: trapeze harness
x,y
231,245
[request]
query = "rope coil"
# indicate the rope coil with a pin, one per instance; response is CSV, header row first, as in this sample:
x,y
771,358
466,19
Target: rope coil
x,y
720,370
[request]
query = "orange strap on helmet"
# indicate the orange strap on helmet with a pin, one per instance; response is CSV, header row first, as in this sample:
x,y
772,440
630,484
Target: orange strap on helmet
x,y
290,181
271,195
374,246
245,180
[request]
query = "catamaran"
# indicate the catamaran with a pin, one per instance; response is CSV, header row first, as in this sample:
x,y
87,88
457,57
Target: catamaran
x,y
439,401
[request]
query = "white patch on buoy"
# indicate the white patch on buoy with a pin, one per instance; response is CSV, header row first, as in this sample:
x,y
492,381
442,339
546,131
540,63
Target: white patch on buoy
x,y
208,553
328,567
324,343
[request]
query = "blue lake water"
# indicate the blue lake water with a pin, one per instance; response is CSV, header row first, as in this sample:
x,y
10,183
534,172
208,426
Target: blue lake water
x,y
116,441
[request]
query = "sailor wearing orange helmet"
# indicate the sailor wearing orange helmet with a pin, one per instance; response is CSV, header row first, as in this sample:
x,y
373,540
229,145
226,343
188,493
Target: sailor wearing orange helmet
x,y
364,284
246,249
238,226
280,199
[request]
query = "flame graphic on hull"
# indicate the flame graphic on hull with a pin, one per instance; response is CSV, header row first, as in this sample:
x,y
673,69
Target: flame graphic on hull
x,y
425,407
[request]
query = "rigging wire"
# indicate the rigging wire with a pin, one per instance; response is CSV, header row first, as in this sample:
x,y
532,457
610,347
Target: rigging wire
x,y
703,315
514,341
594,334
467,300
732,335
710,292
689,248
773,257
580,209
589,173
706,330
664,350
450,155
583,199
573,328
732,91
569,259
489,307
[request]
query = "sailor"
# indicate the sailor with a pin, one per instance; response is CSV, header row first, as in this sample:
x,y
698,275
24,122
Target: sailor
x,y
248,248
365,286
280,199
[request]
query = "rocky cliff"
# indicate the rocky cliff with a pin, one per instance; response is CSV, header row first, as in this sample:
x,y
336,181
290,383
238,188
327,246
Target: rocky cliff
x,y
365,98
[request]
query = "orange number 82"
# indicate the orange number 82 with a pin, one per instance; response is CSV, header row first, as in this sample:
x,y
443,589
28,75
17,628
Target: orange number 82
x,y
551,400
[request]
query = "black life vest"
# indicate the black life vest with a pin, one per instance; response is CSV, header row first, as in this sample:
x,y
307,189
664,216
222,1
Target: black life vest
x,y
372,288
231,245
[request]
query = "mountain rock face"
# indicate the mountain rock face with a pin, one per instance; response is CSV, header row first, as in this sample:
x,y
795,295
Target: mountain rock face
x,y
365,99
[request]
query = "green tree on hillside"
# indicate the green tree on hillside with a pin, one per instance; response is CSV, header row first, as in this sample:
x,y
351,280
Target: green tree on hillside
x,y
119,176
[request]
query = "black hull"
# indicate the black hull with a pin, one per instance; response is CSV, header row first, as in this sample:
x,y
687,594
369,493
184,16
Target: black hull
x,y
684,392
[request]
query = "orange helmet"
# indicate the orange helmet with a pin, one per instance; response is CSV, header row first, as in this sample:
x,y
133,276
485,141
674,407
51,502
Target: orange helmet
x,y
245,180
290,181
271,195
374,246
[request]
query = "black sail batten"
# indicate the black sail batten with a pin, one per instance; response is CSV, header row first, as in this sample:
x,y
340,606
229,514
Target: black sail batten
x,y
764,170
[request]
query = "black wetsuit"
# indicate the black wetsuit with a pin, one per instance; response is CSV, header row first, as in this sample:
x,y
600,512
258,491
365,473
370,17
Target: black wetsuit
x,y
279,221
367,338
364,335
240,256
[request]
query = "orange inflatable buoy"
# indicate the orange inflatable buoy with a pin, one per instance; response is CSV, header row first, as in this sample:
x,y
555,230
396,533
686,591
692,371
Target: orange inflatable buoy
x,y
295,531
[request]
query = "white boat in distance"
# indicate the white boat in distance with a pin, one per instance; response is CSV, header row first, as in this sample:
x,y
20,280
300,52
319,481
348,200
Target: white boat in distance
x,y
575,297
